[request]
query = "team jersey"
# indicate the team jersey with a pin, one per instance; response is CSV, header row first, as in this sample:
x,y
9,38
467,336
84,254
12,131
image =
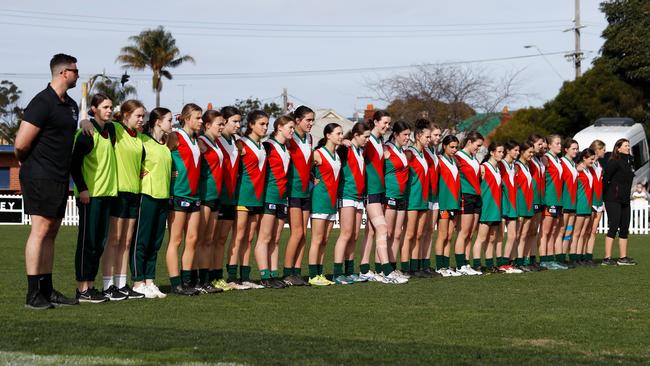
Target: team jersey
x,y
537,171
584,194
490,194
229,170
433,161
525,185
569,183
324,194
301,161
508,189
470,173
353,181
252,174
397,172
211,174
418,180
448,184
597,173
277,183
373,155
186,162
156,168
99,166
553,181
128,153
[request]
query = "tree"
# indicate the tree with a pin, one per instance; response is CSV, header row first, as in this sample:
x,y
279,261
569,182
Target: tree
x,y
115,91
524,123
154,49
10,113
249,104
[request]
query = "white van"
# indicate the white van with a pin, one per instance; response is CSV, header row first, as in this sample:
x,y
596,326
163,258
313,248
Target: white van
x,y
609,130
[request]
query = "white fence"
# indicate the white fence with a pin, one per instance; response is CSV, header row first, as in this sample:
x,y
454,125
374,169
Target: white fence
x,y
639,223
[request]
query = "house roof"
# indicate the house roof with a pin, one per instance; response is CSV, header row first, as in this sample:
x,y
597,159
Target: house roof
x,y
326,116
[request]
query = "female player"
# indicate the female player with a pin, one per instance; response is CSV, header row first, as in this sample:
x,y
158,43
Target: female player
x,y
553,203
525,209
352,187
508,208
569,187
275,202
154,203
185,215
470,207
536,168
327,169
449,202
584,201
300,149
597,201
432,214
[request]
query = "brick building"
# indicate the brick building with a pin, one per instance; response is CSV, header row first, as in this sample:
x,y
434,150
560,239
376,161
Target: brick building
x,y
9,169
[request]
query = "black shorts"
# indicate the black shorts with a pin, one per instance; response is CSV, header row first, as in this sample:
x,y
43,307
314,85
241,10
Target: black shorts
x,y
553,211
508,218
125,205
568,211
226,212
584,215
470,204
253,210
44,197
491,223
398,204
277,210
447,214
212,204
376,198
184,204
537,208
303,203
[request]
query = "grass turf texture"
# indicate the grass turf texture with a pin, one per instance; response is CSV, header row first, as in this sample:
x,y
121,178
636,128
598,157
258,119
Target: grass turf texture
x,y
582,316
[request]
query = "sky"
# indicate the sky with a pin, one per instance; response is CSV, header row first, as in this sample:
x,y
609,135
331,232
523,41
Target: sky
x,y
258,47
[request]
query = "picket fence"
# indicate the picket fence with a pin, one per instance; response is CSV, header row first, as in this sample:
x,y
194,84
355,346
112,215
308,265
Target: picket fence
x,y
639,223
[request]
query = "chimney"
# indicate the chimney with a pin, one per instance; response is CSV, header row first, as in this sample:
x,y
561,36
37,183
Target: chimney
x,y
370,110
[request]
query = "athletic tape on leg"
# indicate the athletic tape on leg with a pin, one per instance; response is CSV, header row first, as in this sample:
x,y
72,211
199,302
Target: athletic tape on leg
x,y
569,228
567,238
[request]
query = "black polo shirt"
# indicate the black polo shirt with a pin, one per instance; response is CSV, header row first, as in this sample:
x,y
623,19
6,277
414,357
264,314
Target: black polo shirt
x,y
51,151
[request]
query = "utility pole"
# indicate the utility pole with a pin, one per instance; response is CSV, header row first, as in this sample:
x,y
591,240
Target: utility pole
x,y
285,101
182,93
577,55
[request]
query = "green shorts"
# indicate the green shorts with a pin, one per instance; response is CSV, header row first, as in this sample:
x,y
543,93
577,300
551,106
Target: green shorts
x,y
125,205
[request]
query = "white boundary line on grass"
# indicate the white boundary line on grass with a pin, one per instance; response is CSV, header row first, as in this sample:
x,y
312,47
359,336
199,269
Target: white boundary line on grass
x,y
22,358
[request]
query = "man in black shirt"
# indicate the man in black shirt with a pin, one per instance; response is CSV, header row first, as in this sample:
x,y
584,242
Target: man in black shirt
x,y
44,148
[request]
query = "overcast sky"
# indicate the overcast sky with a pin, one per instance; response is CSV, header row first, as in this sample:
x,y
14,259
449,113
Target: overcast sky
x,y
255,39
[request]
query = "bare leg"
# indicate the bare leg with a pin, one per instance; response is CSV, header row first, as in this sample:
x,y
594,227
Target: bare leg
x,y
176,227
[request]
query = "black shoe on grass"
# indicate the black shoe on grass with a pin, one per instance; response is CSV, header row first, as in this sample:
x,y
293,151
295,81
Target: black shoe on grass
x,y
113,294
626,261
608,262
91,295
185,290
58,299
209,289
128,291
36,301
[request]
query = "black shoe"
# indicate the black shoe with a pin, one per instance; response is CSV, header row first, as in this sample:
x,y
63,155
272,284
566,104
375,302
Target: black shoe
x,y
113,294
91,295
209,289
589,263
128,291
185,290
571,264
58,299
431,272
269,283
279,282
36,301
294,280
626,261
608,262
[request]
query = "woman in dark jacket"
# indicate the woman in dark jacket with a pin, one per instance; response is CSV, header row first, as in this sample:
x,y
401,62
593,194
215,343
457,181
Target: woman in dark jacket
x,y
617,184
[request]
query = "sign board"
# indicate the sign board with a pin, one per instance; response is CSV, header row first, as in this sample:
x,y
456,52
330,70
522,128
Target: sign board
x,y
11,210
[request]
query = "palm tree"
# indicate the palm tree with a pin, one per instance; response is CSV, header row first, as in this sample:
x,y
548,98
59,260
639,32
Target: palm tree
x,y
114,91
155,49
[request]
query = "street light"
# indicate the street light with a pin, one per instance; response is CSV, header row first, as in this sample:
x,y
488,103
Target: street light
x,y
545,59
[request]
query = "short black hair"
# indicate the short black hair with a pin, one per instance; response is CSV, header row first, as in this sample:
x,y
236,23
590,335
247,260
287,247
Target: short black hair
x,y
61,59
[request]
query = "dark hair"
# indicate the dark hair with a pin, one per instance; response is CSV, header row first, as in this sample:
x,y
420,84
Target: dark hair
x,y
229,111
378,115
301,112
398,127
568,142
98,99
435,126
448,140
61,59
358,129
421,125
526,145
186,112
586,154
491,148
127,108
281,121
329,128
472,136
155,115
552,137
252,117
535,137
615,154
510,144
209,116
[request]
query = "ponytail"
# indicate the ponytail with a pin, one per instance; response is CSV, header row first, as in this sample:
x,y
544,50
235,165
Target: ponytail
x,y
329,128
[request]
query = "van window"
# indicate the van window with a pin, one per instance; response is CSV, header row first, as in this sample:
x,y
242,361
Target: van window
x,y
640,154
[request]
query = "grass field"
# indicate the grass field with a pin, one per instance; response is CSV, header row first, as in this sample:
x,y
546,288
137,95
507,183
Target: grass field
x,y
583,316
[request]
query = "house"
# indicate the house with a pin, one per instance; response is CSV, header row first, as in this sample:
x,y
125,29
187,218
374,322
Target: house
x,y
9,168
325,116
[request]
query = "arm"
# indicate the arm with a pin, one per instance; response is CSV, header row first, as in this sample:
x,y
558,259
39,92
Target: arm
x,y
27,133
82,147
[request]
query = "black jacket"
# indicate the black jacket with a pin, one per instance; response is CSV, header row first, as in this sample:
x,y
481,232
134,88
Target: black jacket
x,y
617,180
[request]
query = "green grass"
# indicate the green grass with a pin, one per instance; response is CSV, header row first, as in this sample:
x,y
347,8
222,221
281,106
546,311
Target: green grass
x,y
583,316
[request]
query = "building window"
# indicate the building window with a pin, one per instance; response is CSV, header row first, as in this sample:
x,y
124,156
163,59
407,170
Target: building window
x,y
4,178
640,154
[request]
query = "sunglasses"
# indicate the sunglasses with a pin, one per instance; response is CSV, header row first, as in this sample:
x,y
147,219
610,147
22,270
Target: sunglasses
x,y
76,71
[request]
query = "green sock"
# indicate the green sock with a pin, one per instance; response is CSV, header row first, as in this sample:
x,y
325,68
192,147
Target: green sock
x,y
440,261
526,261
287,271
265,274
186,276
313,270
297,271
460,260
489,262
394,265
533,259
320,269
203,276
447,261
212,275
560,257
386,268
349,267
175,281
543,259
194,276
232,272
364,268
245,273
338,269
573,257
502,261
426,263
589,256
275,273
377,267
476,263
219,274
405,266
519,261
414,264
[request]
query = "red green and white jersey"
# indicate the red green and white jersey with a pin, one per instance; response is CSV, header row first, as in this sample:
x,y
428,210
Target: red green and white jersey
x,y
585,194
324,194
277,182
186,162
569,183
353,174
397,172
433,161
491,194
448,184
300,169
418,182
229,170
470,173
211,175
252,174
597,173
553,181
373,154
537,171
508,189
525,190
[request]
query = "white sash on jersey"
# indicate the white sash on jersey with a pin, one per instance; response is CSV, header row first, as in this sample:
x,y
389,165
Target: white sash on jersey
x,y
598,169
359,156
421,159
334,163
399,154
538,163
196,152
510,171
305,147
214,147
556,163
589,177
572,168
231,149
469,160
495,173
524,168
433,157
284,154
451,166
259,151
378,146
